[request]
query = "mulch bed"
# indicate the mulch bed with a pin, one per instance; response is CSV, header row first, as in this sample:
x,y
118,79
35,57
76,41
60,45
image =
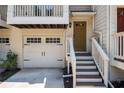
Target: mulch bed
x,y
68,81
118,84
7,73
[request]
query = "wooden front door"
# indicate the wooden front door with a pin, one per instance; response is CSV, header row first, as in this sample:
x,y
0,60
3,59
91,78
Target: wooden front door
x,y
80,36
120,20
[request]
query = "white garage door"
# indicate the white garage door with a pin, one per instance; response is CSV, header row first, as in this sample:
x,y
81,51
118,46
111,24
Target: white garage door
x,y
45,51
4,46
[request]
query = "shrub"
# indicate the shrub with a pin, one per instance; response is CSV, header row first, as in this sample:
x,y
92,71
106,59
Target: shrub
x,y
11,62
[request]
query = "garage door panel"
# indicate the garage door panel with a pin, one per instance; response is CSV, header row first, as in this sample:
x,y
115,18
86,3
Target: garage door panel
x,y
4,46
55,56
48,53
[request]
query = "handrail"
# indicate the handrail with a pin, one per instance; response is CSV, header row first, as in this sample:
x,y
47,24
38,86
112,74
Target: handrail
x,y
71,58
101,60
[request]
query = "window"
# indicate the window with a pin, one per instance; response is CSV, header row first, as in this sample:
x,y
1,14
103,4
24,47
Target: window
x,y
52,40
4,40
33,40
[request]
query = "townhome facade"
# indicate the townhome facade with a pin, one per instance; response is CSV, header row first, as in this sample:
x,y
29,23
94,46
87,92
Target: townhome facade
x,y
89,38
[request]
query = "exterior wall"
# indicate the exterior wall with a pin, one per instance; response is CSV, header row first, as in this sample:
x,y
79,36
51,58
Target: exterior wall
x,y
101,24
81,8
4,32
16,44
89,21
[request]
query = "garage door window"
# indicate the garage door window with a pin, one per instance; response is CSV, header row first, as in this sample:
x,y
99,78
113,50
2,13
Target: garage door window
x,y
4,40
52,40
34,40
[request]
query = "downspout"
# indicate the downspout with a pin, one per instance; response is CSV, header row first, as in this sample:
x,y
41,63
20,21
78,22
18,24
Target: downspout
x,y
109,29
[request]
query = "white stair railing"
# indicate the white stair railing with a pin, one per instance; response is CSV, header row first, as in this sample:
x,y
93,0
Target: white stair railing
x,y
119,45
101,60
71,58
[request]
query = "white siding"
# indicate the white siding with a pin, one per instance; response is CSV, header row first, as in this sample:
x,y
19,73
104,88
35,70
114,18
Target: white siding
x,y
101,23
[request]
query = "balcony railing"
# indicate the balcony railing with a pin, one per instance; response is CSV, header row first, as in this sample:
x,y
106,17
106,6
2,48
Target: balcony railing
x,y
38,14
38,10
119,45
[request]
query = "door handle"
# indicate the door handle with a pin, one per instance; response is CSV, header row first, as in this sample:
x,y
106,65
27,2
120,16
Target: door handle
x,y
44,53
59,59
26,60
41,53
60,44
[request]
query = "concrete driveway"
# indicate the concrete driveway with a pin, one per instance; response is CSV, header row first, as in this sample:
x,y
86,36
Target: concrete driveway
x,y
35,78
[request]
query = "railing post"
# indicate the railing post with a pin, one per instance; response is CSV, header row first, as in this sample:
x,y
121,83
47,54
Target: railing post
x,y
106,73
74,76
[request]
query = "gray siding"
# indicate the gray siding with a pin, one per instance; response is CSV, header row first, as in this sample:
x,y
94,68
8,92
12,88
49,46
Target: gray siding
x,y
80,8
3,12
101,23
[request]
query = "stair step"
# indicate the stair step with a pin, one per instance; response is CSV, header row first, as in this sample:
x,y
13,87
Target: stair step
x,y
82,54
90,86
86,67
89,80
86,70
87,73
81,84
85,62
84,57
88,76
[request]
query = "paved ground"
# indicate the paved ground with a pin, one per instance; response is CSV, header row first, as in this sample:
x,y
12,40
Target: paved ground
x,y
36,78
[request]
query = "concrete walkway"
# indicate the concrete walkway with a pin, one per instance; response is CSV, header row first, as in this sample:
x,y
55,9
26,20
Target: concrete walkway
x,y
35,78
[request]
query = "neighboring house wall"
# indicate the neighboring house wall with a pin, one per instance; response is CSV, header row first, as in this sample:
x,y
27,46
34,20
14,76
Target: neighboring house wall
x,y
3,12
101,24
116,73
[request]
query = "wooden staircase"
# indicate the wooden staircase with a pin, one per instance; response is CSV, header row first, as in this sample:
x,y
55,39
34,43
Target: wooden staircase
x,y
87,74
